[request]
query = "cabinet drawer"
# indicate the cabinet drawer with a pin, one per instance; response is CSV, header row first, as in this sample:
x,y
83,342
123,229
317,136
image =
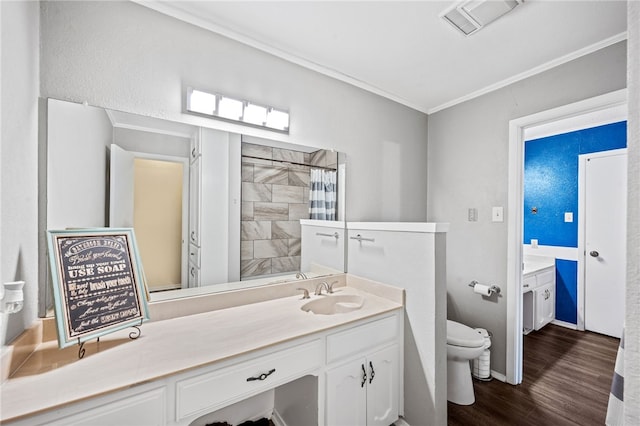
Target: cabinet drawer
x,y
210,391
359,339
544,278
147,408
529,283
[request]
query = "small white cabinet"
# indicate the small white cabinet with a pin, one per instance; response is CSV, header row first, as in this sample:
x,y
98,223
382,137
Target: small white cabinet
x,y
538,298
364,390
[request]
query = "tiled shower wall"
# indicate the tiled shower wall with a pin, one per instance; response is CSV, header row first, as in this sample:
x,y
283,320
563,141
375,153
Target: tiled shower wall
x,y
275,196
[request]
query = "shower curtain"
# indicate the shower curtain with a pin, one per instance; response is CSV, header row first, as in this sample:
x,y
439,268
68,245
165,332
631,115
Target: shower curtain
x,y
322,194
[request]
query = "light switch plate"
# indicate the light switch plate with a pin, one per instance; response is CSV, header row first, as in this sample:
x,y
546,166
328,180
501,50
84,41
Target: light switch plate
x,y
473,214
568,216
497,214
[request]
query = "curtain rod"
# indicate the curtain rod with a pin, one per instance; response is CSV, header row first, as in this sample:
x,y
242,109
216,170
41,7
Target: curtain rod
x,y
291,162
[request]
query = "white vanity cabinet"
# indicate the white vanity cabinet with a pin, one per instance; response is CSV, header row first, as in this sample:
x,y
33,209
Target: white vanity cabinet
x,y
363,377
337,358
538,298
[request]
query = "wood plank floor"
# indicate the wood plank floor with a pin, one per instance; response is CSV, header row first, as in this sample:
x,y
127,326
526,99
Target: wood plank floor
x,y
566,381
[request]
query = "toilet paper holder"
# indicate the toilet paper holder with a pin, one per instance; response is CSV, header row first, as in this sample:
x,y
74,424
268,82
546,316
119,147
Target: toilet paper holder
x,y
493,288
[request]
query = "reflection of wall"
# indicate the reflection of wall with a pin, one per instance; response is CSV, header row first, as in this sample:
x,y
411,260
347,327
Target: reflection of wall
x,y
151,142
551,185
158,221
78,137
275,196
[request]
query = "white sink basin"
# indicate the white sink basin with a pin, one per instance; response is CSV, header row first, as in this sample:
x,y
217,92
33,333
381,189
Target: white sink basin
x,y
330,305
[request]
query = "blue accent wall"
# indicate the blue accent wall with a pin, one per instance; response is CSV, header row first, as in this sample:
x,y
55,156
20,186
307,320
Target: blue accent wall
x,y
551,186
551,180
566,291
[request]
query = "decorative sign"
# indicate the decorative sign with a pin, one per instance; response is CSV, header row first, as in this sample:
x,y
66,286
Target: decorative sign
x,y
97,281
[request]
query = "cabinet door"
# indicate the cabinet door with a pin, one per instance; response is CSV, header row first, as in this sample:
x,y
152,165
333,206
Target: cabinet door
x,y
545,305
346,401
382,387
194,275
195,179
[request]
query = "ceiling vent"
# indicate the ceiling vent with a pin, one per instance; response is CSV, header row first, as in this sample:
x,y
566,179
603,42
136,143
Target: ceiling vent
x,y
469,17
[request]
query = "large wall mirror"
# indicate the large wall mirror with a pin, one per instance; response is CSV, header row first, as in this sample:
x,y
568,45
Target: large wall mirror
x,y
211,210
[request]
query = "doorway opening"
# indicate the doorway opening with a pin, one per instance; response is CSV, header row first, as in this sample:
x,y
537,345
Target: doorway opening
x,y
520,129
149,192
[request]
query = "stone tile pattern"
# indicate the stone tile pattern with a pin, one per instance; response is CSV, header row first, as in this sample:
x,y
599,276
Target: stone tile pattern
x,y
275,196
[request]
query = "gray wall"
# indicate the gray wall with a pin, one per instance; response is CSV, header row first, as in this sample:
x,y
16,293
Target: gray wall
x,y
479,178
19,158
115,56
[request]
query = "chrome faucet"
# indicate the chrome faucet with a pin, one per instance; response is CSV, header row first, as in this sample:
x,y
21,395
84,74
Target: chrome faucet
x,y
328,288
306,293
301,276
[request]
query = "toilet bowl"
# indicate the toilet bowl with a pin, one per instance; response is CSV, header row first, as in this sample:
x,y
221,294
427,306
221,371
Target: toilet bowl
x,y
463,344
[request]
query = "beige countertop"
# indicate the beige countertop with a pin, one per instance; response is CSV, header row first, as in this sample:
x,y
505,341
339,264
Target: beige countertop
x,y
52,378
533,264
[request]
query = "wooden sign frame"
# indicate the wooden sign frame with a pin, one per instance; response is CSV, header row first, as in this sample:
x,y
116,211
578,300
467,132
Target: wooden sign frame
x,y
98,282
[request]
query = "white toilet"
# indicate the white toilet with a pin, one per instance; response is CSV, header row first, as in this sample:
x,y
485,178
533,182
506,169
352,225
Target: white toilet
x,y
463,344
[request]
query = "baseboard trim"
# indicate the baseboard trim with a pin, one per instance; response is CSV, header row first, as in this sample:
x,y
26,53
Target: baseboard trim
x,y
401,422
564,324
277,419
498,376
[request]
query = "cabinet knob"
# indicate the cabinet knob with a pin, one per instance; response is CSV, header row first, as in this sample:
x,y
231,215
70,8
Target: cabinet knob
x,y
594,253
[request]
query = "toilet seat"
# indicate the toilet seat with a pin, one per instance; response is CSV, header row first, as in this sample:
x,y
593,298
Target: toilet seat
x,y
463,336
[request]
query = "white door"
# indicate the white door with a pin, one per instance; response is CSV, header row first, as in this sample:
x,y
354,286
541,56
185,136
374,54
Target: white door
x,y
605,243
121,181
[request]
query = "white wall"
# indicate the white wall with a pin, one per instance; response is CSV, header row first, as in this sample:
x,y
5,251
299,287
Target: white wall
x,y
632,337
479,179
114,55
19,66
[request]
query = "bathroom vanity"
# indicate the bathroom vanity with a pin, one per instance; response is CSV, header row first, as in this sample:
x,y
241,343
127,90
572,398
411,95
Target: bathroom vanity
x,y
347,356
538,292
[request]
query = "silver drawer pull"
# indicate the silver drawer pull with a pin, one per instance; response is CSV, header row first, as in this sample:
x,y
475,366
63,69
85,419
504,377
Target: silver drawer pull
x,y
322,234
361,238
262,376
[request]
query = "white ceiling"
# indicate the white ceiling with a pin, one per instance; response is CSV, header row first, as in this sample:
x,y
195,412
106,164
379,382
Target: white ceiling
x,y
403,50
